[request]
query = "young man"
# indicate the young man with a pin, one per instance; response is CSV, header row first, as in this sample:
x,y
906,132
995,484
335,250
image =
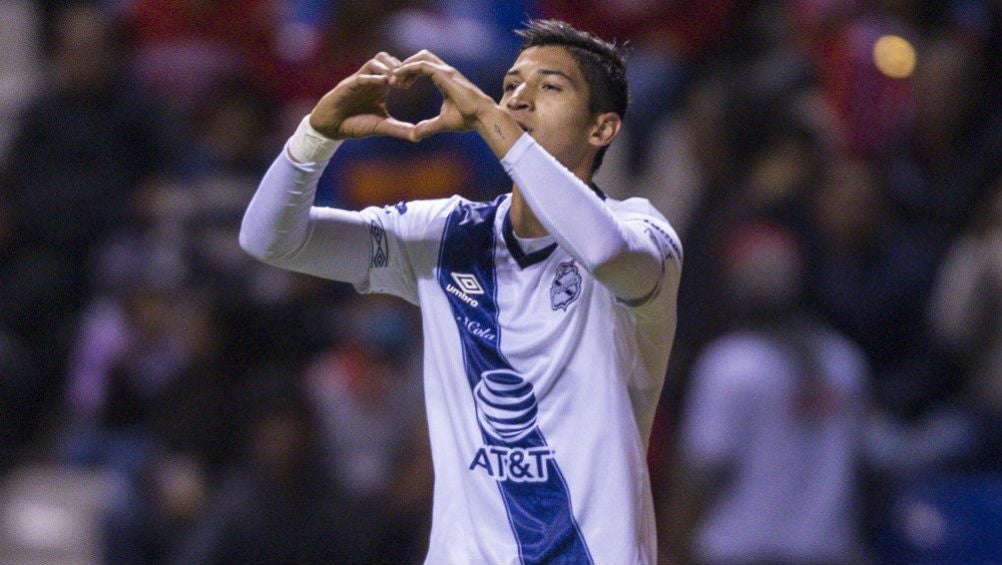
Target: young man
x,y
548,313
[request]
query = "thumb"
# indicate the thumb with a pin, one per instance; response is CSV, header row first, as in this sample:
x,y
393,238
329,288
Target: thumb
x,y
428,128
392,127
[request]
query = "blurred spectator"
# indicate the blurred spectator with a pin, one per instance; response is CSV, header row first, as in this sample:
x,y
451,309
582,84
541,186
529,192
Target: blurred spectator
x,y
704,151
367,393
148,347
84,147
20,62
141,377
772,429
300,32
687,161
343,35
279,506
665,40
232,147
233,134
149,517
19,398
779,183
966,311
951,151
186,49
870,107
474,36
872,278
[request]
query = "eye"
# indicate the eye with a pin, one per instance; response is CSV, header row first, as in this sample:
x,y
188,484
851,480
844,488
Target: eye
x,y
510,86
551,86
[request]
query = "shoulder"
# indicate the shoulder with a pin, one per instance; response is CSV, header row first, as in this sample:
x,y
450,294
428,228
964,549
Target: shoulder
x,y
424,209
411,219
471,211
424,221
635,207
658,228
740,358
844,357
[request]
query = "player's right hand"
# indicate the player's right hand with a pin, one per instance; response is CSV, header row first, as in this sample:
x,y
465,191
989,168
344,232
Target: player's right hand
x,y
356,107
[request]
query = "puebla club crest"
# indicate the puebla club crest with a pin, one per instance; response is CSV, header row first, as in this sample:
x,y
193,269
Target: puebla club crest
x,y
566,286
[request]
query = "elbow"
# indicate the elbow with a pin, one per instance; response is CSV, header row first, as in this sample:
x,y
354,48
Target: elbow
x,y
247,244
630,274
632,266
253,245
620,246
600,259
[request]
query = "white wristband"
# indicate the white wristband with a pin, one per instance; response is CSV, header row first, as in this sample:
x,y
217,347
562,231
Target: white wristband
x,y
308,145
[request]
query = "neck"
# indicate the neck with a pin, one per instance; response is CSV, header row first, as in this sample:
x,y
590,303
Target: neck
x,y
523,221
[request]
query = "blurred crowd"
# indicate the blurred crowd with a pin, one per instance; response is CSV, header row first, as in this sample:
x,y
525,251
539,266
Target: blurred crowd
x,y
835,389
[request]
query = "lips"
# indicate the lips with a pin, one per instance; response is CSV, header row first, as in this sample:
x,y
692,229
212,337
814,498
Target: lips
x,y
520,116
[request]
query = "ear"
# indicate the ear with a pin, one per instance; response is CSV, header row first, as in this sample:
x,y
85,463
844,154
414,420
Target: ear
x,y
605,129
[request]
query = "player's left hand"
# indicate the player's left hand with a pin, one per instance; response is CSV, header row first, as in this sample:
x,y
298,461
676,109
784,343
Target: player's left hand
x,y
463,103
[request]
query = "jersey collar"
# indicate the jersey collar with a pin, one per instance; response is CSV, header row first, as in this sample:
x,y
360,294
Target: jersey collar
x,y
521,257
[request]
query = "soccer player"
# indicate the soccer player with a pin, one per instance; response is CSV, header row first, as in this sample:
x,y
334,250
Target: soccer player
x,y
548,313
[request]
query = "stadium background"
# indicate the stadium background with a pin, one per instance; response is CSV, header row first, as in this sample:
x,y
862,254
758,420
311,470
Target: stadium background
x,y
163,398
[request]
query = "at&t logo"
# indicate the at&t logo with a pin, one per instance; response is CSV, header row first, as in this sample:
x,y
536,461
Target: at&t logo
x,y
521,465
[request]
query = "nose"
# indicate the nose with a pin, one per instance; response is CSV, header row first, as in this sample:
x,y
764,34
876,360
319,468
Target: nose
x,y
519,99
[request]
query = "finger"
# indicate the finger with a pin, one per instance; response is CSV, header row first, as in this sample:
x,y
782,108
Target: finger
x,y
404,82
448,80
424,55
368,80
408,73
390,62
387,59
375,67
393,127
414,69
427,128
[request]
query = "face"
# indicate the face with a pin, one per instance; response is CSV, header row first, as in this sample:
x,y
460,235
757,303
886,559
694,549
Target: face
x,y
546,92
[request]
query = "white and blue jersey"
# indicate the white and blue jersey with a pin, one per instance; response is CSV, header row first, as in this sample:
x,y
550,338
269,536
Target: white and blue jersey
x,y
540,385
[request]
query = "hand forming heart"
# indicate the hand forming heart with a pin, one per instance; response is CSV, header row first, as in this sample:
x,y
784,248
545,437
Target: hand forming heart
x,y
356,107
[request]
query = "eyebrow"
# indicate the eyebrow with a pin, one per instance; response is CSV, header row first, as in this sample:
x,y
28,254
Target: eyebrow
x,y
546,72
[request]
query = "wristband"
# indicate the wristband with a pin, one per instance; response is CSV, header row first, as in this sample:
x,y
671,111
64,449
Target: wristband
x,y
308,145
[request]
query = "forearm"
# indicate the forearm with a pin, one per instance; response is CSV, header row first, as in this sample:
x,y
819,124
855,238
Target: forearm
x,y
498,129
282,228
622,257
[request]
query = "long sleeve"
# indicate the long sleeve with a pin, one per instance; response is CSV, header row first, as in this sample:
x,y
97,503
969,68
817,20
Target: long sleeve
x,y
281,226
628,257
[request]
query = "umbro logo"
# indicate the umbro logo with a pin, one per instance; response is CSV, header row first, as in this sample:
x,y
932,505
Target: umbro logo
x,y
467,283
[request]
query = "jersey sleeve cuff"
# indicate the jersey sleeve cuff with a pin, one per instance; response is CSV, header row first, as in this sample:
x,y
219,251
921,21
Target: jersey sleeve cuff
x,y
308,145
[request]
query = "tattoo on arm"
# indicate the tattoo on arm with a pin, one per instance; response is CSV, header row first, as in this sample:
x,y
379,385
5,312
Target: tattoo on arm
x,y
497,128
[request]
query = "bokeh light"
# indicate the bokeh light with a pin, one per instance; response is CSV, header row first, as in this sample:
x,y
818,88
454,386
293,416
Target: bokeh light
x,y
894,56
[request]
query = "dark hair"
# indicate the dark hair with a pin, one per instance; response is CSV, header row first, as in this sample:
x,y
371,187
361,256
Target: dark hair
x,y
602,63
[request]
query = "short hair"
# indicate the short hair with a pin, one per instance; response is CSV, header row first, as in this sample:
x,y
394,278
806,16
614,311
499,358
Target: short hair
x,y
602,63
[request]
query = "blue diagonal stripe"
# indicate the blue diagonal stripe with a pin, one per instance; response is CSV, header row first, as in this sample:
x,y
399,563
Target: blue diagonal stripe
x,y
540,513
